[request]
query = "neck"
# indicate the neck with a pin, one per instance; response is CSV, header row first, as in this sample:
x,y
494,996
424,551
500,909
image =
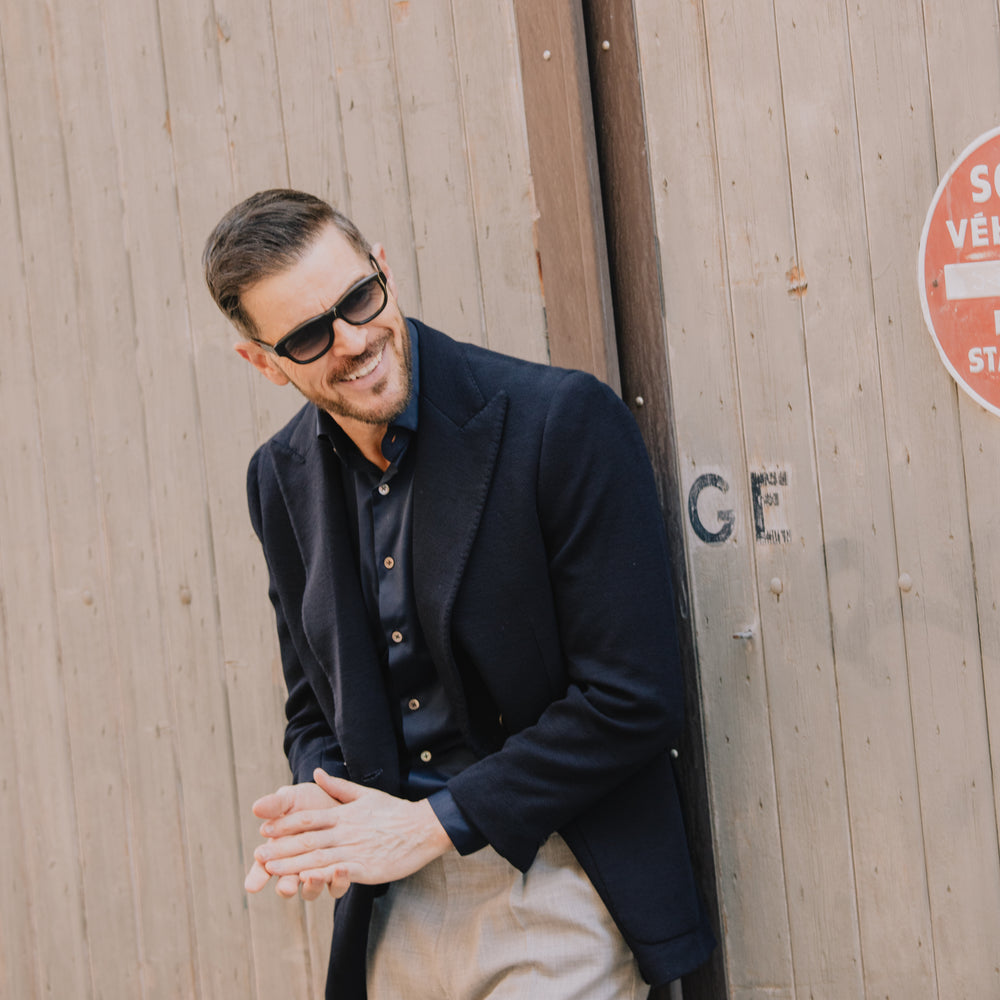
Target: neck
x,y
367,437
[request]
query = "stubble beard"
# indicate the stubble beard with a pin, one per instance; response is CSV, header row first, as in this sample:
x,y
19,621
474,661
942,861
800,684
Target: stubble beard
x,y
376,412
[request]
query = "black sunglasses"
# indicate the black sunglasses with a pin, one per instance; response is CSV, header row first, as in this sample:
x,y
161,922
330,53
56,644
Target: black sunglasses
x,y
360,304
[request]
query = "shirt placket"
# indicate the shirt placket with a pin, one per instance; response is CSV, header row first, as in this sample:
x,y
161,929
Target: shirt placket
x,y
395,616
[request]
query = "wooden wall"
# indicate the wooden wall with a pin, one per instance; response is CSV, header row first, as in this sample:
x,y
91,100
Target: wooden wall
x,y
830,490
141,698
838,493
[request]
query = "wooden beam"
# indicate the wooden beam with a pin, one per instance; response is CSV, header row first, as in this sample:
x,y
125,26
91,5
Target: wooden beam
x,y
570,241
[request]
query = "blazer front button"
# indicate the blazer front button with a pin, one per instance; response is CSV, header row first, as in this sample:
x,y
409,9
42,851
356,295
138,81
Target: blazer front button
x,y
425,756
397,636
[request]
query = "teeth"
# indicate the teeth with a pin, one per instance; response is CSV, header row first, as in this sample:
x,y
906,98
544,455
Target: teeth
x,y
367,370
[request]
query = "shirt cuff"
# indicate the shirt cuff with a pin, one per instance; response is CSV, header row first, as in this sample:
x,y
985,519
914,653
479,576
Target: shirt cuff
x,y
466,838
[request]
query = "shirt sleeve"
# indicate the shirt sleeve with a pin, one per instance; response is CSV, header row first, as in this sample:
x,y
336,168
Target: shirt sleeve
x,y
466,838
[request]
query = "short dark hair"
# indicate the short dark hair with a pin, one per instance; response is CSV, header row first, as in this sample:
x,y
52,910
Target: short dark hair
x,y
263,235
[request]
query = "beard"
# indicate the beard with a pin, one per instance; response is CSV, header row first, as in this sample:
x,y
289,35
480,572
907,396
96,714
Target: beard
x,y
384,401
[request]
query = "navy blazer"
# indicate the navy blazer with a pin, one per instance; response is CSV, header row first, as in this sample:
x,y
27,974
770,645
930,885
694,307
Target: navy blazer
x,y
542,585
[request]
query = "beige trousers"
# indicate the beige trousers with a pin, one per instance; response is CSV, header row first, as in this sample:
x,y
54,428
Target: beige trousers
x,y
475,927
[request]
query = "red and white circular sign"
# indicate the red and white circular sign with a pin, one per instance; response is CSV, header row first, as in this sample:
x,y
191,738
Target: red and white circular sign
x,y
959,270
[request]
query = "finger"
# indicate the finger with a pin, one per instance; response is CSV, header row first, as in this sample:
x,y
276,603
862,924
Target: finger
x,y
257,877
276,804
297,822
294,844
311,888
336,878
288,886
341,789
300,862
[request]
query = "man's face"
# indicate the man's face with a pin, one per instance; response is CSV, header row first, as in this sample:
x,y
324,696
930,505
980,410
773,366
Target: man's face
x,y
366,376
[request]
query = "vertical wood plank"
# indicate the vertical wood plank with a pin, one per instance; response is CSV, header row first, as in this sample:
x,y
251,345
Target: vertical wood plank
x,y
134,672
41,859
723,596
373,145
492,108
184,587
775,406
630,223
255,128
310,104
958,742
570,233
228,432
889,51
18,910
81,601
247,59
831,281
437,169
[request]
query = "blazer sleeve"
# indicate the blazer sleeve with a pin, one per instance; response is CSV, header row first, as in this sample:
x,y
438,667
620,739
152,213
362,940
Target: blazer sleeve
x,y
309,742
610,578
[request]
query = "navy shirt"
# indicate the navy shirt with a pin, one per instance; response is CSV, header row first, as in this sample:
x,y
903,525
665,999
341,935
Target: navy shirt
x,y
380,508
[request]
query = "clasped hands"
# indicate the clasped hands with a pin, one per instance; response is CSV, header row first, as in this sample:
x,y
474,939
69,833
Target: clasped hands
x,y
332,832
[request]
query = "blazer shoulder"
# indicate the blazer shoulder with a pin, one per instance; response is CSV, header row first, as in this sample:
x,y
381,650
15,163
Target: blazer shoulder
x,y
292,441
490,371
289,444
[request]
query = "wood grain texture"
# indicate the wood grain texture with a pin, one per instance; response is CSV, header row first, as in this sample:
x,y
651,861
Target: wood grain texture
x,y
233,414
954,682
634,263
195,696
437,173
142,691
570,234
767,168
882,753
931,505
723,597
770,354
41,950
492,102
81,632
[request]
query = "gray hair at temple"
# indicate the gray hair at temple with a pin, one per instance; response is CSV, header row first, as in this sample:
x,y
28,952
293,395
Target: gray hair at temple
x,y
264,235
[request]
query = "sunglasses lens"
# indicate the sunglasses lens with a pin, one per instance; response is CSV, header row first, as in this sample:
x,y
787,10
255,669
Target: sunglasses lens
x,y
359,306
310,342
363,303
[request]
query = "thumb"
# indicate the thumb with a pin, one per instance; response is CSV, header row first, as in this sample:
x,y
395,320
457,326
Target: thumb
x,y
338,788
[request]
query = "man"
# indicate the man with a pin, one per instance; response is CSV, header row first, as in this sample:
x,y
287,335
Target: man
x,y
469,574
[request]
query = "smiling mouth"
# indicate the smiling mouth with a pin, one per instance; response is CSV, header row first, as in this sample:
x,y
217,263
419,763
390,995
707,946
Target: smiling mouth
x,y
366,369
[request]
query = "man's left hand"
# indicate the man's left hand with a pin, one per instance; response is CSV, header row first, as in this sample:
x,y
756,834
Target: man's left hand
x,y
365,836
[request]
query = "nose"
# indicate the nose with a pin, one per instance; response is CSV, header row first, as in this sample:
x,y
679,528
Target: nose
x,y
349,341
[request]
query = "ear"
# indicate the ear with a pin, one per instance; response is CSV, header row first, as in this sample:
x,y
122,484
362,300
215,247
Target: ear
x,y
262,360
378,252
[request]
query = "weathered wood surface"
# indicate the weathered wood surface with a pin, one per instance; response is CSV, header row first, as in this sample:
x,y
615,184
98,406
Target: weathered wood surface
x,y
141,698
793,153
819,453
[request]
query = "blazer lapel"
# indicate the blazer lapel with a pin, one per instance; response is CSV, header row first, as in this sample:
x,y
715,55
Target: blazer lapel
x,y
334,617
458,443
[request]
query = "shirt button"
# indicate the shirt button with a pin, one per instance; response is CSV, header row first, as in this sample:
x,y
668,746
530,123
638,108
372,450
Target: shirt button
x,y
397,636
425,756
413,704
388,562
384,489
